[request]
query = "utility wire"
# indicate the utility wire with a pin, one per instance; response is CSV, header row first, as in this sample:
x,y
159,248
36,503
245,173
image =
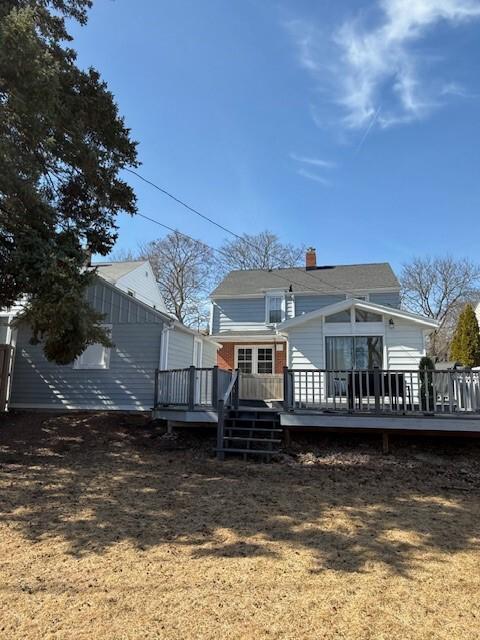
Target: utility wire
x,y
232,233
225,255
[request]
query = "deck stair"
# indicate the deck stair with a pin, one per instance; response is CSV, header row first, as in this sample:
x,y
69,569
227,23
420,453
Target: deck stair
x,y
251,431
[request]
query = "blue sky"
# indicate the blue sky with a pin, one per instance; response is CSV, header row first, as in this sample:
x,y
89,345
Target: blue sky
x,y
350,126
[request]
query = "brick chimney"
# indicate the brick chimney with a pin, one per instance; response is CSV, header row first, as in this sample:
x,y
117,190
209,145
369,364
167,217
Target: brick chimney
x,y
311,258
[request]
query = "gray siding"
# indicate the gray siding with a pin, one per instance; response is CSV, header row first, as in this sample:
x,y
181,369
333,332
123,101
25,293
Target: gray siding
x,y
305,304
3,330
180,350
387,299
238,314
119,307
127,384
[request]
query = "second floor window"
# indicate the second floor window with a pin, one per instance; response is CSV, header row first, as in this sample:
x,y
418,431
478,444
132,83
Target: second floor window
x,y
274,309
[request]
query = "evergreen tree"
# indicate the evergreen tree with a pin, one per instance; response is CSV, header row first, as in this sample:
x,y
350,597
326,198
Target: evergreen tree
x,y
465,347
62,146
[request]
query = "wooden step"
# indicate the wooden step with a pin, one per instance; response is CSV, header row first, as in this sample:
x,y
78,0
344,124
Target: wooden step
x,y
260,429
245,439
247,451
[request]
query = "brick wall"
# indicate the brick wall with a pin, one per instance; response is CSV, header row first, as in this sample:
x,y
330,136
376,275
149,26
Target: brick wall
x,y
226,355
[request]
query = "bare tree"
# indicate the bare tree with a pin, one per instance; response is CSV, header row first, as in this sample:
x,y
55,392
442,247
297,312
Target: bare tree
x,y
183,268
439,288
260,251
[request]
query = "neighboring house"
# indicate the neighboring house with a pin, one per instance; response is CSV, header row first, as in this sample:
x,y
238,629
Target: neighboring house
x,y
315,317
145,338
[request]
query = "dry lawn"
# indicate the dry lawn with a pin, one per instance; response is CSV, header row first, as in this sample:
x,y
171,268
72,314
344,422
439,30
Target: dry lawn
x,y
108,530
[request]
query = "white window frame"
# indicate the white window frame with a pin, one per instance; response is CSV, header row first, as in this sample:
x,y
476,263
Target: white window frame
x,y
278,293
255,348
81,365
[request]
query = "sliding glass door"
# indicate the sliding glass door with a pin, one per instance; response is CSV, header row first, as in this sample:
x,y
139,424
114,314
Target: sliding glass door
x,y
353,352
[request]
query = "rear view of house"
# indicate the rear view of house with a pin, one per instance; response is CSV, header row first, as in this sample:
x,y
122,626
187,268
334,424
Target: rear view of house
x,y
314,317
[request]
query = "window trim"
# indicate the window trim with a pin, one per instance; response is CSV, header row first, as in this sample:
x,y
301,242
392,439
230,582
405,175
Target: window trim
x,y
275,293
79,366
255,348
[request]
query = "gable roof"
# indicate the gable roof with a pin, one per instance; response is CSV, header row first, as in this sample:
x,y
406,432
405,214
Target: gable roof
x,y
427,323
336,279
113,271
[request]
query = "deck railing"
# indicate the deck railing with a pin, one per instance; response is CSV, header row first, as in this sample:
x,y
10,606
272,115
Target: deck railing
x,y
381,391
192,388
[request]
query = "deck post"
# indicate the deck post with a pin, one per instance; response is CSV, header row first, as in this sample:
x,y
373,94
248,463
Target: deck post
x,y
376,388
191,388
155,393
385,442
236,390
215,386
220,429
286,389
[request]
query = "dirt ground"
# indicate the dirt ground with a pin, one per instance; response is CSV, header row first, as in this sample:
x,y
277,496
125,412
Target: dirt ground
x,y
109,529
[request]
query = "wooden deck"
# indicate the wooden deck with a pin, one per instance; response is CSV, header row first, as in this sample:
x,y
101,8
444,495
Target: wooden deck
x,y
440,423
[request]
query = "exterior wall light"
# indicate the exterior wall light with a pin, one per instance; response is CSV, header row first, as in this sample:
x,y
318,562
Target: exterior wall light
x,y
391,323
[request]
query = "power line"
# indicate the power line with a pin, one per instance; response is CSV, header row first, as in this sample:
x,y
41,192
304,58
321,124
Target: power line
x,y
232,233
222,253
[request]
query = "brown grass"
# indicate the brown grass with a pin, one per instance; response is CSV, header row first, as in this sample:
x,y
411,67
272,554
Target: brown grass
x,y
108,530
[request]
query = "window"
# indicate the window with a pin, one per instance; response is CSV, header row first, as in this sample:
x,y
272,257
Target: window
x,y
354,352
275,308
366,316
341,316
95,356
264,360
255,359
245,359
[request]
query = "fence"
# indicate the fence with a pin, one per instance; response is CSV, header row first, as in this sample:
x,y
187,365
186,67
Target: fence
x,y
191,388
6,353
261,386
377,390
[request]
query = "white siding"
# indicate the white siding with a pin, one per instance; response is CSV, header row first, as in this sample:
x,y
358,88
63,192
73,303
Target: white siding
x,y
478,313
142,281
305,345
180,349
405,345
209,358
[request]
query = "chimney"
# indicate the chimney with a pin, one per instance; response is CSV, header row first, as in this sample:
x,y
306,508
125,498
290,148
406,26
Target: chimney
x,y
311,258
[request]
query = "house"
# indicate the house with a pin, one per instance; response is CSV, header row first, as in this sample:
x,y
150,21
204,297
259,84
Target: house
x,y
145,338
315,317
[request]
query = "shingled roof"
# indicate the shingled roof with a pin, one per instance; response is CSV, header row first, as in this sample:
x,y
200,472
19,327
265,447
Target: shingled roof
x,y
328,279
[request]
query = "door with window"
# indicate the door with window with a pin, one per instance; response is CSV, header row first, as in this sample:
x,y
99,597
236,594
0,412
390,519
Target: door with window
x,y
258,380
255,360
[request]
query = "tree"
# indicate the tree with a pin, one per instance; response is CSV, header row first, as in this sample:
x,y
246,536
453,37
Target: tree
x,y
438,288
466,340
184,271
261,251
426,367
62,145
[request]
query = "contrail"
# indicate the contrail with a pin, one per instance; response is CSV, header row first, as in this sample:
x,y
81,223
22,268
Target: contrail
x,y
367,131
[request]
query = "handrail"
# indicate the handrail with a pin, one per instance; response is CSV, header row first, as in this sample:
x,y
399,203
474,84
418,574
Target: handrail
x,y
232,387
401,391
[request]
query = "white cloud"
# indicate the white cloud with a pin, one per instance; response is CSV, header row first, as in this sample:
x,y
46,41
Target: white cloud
x,y
377,65
316,162
313,176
